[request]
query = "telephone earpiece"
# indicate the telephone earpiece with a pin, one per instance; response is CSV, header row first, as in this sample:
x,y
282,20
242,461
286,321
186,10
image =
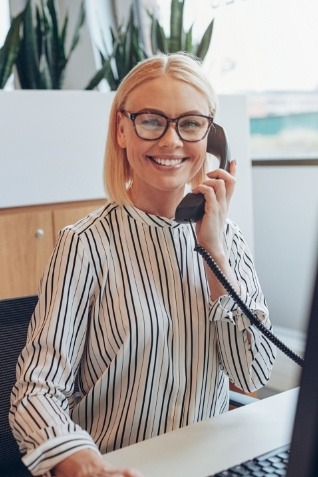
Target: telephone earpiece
x,y
218,145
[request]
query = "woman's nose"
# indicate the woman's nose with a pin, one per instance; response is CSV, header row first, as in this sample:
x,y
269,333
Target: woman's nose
x,y
171,137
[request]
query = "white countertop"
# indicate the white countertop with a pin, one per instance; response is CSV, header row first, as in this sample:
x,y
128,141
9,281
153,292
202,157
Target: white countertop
x,y
215,444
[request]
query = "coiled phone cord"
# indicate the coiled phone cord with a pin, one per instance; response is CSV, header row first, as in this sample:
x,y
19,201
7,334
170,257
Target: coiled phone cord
x,y
252,317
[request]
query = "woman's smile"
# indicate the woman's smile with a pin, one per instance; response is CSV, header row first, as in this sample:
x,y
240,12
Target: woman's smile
x,y
167,161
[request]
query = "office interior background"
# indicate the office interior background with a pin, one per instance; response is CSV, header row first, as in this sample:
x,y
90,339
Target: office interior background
x,y
264,50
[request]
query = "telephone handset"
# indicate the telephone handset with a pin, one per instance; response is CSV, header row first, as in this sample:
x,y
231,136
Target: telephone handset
x,y
218,145
191,209
192,205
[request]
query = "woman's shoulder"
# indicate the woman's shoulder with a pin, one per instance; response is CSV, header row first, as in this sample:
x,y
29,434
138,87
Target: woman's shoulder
x,y
93,220
234,237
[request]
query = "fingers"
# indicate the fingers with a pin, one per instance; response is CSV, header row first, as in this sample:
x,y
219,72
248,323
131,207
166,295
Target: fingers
x,y
88,463
115,472
219,178
223,174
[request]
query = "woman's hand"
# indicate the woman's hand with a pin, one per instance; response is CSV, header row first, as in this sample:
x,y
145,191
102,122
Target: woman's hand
x,y
88,463
217,190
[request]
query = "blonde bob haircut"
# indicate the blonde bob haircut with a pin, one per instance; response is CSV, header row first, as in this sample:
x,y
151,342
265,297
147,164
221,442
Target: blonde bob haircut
x,y
180,66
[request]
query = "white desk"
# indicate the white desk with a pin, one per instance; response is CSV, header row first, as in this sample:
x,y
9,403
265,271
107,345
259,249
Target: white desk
x,y
213,445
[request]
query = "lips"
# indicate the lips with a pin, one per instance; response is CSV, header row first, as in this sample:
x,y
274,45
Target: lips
x,y
167,162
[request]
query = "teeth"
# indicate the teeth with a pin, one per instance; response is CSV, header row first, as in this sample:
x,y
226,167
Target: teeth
x,y
167,162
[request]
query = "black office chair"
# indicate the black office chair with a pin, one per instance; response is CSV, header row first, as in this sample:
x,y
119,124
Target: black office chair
x,y
15,314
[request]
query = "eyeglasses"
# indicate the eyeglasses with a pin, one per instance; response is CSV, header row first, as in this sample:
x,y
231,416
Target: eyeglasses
x,y
151,126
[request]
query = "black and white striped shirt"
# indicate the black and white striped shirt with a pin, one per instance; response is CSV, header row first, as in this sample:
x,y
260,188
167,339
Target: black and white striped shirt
x,y
124,306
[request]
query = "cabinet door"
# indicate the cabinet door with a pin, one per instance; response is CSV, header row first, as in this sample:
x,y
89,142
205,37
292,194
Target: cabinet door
x,y
26,240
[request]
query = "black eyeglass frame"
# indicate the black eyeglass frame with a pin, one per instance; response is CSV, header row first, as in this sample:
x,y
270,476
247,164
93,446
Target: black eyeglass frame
x,y
133,116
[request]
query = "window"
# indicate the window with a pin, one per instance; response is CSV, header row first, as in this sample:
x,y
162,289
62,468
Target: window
x,y
267,49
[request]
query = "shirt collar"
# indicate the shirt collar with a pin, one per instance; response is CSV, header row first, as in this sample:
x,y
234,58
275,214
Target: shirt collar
x,y
150,219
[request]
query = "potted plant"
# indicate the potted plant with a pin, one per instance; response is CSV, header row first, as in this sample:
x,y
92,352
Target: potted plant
x,y
36,46
128,49
178,39
126,52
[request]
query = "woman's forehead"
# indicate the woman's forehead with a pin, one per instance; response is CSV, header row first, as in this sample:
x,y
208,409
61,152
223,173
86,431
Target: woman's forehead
x,y
164,92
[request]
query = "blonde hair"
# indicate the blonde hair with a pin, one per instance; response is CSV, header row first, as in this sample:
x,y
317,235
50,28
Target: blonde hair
x,y
180,66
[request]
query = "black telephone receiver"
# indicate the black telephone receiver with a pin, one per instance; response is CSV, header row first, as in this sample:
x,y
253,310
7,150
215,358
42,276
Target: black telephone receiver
x,y
191,209
192,205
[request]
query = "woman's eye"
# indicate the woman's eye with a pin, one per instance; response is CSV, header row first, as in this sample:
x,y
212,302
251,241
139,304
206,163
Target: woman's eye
x,y
151,122
189,124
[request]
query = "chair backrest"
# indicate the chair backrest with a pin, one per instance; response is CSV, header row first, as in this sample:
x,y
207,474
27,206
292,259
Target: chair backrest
x,y
15,315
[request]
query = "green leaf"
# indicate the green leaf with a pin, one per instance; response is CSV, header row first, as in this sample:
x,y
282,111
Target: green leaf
x,y
101,74
205,42
127,51
179,39
53,47
10,50
49,46
176,26
163,41
45,78
29,55
41,61
128,42
188,44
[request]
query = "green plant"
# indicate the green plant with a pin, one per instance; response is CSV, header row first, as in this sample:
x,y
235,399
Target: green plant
x,y
126,52
42,56
179,39
10,50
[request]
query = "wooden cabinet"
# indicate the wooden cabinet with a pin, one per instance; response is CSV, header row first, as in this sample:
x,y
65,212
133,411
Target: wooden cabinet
x,y
27,238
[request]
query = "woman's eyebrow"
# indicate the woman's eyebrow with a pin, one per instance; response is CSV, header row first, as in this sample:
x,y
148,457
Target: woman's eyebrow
x,y
158,111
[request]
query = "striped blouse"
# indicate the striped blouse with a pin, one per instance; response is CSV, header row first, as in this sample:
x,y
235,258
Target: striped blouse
x,y
124,312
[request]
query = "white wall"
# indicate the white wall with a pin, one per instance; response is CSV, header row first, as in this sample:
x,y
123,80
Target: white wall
x,y
285,201
233,116
285,205
52,146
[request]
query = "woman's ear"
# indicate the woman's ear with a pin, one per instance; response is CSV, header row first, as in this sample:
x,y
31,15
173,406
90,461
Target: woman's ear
x,y
121,138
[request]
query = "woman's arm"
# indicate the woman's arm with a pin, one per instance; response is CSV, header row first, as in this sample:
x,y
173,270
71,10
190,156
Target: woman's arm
x,y
48,364
217,191
246,355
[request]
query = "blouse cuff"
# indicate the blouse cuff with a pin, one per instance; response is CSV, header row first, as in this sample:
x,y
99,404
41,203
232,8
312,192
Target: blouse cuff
x,y
41,460
224,308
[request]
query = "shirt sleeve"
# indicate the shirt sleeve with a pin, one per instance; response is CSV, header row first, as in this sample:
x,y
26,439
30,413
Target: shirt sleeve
x,y
47,367
246,355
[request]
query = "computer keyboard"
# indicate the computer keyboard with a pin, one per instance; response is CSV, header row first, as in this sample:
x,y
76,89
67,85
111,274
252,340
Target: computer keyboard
x,y
271,464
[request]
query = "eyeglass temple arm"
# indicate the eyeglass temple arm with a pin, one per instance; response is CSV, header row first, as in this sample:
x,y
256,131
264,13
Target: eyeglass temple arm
x,y
218,145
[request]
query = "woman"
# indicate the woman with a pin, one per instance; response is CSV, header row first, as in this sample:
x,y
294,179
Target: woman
x,y
126,307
